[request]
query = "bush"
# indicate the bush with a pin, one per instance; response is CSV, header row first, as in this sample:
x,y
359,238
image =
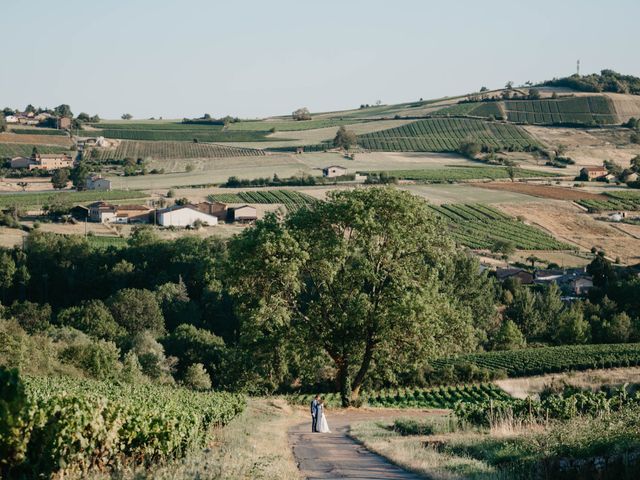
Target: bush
x,y
197,378
93,318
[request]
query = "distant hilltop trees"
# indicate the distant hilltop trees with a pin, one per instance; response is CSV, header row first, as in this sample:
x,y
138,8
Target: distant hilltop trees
x,y
605,81
301,114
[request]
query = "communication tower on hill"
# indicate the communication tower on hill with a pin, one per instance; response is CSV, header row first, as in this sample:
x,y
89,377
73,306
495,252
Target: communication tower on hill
x,y
578,67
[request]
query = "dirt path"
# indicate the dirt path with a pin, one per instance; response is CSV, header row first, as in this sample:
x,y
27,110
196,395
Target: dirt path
x,y
335,455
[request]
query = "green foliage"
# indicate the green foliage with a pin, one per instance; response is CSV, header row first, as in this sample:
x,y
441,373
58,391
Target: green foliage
x,y
455,173
446,135
9,150
160,150
93,318
196,377
31,316
171,132
618,200
538,361
65,426
136,310
344,138
39,199
509,337
606,81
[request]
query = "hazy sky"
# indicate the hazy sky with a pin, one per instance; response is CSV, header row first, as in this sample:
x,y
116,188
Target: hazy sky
x,y
256,58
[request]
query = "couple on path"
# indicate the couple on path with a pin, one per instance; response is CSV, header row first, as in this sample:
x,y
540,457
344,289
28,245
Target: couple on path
x,y
318,419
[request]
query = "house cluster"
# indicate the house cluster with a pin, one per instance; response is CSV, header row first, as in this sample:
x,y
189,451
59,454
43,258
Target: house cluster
x,y
43,161
33,119
573,282
206,213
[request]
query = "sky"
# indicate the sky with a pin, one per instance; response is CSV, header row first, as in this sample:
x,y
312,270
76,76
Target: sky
x,y
254,58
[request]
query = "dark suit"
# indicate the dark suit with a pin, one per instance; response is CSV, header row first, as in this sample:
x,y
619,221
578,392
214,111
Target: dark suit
x,y
314,415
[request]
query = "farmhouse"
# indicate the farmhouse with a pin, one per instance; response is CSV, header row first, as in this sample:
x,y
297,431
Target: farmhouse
x,y
582,285
593,173
107,213
64,123
184,216
217,209
43,161
97,182
245,214
333,171
526,278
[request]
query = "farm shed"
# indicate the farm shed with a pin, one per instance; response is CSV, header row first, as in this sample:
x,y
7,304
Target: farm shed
x,y
184,216
333,171
96,182
217,209
245,214
526,278
593,173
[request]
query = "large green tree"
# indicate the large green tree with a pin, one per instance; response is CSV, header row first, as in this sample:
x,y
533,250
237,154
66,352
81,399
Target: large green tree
x,y
358,278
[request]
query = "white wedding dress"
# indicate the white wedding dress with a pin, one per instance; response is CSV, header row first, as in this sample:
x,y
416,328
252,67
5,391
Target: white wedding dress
x,y
323,426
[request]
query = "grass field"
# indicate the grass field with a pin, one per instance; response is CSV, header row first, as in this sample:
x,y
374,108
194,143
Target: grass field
x,y
453,173
104,242
446,134
289,198
39,131
25,200
537,361
8,150
169,150
480,226
581,110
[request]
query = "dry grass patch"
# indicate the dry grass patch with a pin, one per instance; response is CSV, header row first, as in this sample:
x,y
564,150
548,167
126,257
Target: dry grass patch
x,y
543,191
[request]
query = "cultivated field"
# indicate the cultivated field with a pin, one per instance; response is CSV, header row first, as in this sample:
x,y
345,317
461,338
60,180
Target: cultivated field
x,y
32,138
544,191
8,150
585,110
289,198
568,223
446,134
454,173
169,150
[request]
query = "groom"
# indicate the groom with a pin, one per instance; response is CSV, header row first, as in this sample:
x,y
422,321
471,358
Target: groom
x,y
314,413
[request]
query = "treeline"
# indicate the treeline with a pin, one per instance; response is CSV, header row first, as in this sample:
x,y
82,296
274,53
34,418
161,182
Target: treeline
x,y
605,81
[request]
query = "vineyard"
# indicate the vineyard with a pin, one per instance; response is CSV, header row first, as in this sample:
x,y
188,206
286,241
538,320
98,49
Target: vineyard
x,y
480,226
538,361
437,397
169,150
24,200
613,201
454,173
289,198
9,150
173,132
472,109
446,134
580,110
39,131
63,425
290,125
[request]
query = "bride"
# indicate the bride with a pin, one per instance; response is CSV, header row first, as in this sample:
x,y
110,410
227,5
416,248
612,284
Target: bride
x,y
323,426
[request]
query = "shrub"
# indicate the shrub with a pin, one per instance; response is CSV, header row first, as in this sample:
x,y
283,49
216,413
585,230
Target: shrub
x,y
197,378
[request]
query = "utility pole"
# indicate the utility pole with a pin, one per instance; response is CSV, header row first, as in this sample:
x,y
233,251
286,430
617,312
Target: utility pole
x,y
578,67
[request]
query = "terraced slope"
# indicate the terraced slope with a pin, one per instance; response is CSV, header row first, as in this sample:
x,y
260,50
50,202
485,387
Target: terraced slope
x,y
587,110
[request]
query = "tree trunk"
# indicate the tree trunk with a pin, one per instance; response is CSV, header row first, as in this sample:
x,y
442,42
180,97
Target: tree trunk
x,y
344,383
364,368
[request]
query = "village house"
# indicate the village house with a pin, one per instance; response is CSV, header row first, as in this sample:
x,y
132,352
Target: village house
x,y
245,214
64,123
97,182
43,161
101,212
217,209
581,285
184,216
333,171
593,173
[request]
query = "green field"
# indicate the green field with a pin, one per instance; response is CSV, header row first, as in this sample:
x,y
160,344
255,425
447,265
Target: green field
x,y
454,173
538,361
572,110
290,198
188,133
39,131
291,125
446,135
8,150
24,200
472,109
169,150
435,397
613,201
480,226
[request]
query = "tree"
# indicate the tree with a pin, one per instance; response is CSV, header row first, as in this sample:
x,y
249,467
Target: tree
x,y
469,148
83,117
197,378
63,110
136,310
512,172
618,329
505,247
7,273
93,318
60,178
573,328
357,277
508,85
601,270
176,306
509,337
549,305
79,175
301,114
155,364
635,164
344,138
534,94
532,259
126,116
523,311
33,317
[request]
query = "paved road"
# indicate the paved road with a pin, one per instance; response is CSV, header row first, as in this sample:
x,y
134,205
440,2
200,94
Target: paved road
x,y
336,456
